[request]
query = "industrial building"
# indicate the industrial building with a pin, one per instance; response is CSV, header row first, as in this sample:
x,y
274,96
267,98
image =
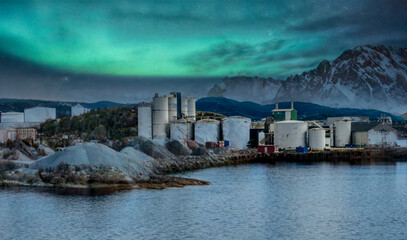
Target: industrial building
x,y
26,133
78,110
39,114
284,114
12,117
156,119
8,134
173,117
373,134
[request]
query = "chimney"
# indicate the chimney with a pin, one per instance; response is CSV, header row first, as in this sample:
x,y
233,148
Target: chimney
x,y
276,105
292,105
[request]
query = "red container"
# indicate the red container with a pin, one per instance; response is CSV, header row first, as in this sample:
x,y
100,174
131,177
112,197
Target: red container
x,y
267,149
211,144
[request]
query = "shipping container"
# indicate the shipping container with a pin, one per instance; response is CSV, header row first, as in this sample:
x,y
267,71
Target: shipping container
x,y
221,143
267,149
301,149
211,145
226,143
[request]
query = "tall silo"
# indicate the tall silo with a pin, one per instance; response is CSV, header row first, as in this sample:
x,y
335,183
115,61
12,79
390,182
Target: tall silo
x,y
160,116
184,106
290,134
342,133
317,139
191,112
207,130
236,130
144,120
172,107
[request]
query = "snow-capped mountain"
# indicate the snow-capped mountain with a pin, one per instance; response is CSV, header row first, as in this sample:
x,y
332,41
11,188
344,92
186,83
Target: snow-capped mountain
x,y
365,77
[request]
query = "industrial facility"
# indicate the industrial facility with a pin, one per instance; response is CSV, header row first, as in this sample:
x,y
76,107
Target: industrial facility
x,y
283,131
23,125
173,117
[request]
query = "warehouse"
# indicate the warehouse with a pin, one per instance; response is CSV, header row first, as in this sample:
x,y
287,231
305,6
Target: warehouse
x,y
39,114
373,134
78,110
12,117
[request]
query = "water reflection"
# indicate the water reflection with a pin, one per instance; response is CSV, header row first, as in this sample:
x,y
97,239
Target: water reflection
x,y
254,201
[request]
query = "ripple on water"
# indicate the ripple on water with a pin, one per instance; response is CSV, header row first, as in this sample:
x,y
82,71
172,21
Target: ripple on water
x,y
285,201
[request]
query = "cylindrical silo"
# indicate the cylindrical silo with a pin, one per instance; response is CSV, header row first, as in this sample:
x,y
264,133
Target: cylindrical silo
x,y
236,130
317,139
191,113
160,116
207,130
184,107
290,134
342,133
180,130
172,108
144,120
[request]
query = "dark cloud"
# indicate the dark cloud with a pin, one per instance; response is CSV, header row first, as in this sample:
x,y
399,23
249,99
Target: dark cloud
x,y
24,79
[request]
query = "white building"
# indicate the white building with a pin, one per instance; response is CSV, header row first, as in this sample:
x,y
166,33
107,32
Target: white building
x,y
39,114
373,134
12,117
8,134
78,110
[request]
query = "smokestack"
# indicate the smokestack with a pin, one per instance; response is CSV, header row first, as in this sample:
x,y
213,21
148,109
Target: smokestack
x,y
292,105
277,105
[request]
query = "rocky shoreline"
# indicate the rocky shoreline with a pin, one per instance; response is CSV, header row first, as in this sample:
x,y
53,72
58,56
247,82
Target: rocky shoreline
x,y
142,165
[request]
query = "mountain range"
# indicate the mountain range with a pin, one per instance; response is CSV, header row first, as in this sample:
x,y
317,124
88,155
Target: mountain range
x,y
225,106
370,77
305,111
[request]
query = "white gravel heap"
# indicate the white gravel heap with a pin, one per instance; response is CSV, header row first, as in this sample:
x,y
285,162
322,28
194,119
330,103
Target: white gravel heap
x,y
129,160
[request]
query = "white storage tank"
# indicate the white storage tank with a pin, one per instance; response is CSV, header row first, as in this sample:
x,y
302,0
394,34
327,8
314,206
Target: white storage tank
x,y
236,130
290,134
317,139
191,112
342,133
181,130
207,130
144,123
172,108
12,117
39,114
160,117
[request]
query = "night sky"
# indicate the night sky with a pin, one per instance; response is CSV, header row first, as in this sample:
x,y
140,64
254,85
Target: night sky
x,y
140,43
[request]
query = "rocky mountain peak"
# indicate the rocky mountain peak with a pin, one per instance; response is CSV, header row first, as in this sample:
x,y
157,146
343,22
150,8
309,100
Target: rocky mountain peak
x,y
368,76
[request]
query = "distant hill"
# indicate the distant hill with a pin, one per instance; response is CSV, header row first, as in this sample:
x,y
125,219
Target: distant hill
x,y
62,108
306,111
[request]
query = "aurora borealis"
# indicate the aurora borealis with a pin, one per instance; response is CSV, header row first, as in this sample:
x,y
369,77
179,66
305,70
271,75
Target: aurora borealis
x,y
194,38
127,50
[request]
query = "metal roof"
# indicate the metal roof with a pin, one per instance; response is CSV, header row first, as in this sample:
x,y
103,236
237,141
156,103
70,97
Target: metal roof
x,y
365,127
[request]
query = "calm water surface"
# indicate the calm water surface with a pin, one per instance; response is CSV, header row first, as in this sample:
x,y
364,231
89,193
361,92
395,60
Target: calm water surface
x,y
258,201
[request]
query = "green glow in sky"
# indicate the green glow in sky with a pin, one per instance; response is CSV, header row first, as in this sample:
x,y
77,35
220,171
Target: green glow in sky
x,y
174,38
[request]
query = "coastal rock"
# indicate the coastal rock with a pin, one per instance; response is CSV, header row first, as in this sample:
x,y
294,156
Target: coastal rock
x,y
178,148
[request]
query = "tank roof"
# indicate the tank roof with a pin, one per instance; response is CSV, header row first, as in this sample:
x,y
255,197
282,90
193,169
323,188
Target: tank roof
x,y
290,121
